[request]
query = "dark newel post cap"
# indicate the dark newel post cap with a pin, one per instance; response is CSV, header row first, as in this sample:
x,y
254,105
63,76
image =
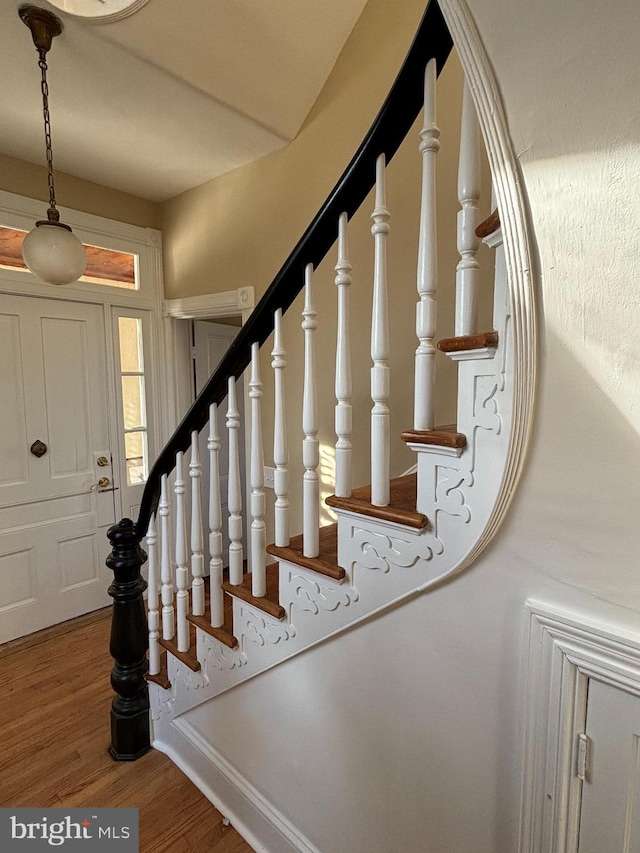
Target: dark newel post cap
x,y
121,530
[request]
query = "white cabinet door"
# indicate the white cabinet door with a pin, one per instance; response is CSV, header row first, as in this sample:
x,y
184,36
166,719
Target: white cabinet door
x,y
53,519
610,813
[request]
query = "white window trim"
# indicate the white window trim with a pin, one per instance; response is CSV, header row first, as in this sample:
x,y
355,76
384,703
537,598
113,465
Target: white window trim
x,y
564,650
22,213
149,403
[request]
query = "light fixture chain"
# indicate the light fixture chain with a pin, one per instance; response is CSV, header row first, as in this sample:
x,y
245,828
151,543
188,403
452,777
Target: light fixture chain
x,y
52,213
54,254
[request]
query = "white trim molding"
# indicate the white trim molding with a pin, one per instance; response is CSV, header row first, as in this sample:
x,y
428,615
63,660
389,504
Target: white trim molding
x,y
564,651
508,187
212,305
177,339
259,822
17,211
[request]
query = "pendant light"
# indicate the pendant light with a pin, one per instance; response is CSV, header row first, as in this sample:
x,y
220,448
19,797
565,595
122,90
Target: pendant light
x,y
51,251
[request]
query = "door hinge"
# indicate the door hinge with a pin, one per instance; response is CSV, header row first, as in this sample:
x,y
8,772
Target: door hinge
x,y
583,756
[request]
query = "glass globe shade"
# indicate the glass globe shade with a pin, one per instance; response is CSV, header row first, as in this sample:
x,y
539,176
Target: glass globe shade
x,y
105,11
54,254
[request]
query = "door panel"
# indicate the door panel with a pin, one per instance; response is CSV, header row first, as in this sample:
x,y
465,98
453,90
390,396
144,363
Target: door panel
x,y
59,379
64,355
610,811
52,522
18,584
13,424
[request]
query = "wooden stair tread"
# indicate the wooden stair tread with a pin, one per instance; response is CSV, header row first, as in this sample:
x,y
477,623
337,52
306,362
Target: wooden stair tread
x,y
442,436
162,678
326,563
401,508
224,634
269,603
463,343
488,225
187,658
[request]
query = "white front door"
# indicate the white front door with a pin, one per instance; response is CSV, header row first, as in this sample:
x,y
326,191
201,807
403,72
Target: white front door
x,y
610,810
53,515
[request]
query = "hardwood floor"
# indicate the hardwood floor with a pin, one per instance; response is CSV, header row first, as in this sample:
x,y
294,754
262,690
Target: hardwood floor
x,y
54,734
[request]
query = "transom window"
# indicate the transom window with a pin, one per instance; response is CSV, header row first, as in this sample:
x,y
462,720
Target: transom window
x,y
104,266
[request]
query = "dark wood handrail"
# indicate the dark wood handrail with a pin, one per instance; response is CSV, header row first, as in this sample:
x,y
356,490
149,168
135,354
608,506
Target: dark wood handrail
x,y
387,132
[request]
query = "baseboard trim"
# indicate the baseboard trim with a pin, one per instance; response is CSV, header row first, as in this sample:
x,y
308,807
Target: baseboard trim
x,y
259,822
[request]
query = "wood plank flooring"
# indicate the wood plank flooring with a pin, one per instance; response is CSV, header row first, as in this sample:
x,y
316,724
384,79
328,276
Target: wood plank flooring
x,y
54,734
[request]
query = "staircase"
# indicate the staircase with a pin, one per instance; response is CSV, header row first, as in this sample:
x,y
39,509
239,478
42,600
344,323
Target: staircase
x,y
372,558
393,539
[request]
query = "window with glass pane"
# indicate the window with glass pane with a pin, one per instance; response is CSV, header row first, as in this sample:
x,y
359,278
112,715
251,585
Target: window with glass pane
x,y
134,411
104,266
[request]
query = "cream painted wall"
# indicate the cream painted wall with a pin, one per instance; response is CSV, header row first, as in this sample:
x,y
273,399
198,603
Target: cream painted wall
x,y
239,229
28,179
407,734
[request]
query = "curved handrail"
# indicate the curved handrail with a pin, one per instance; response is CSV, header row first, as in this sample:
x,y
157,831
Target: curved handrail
x,y
387,132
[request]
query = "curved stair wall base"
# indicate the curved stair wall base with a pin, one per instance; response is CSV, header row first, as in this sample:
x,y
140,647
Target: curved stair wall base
x,y
259,822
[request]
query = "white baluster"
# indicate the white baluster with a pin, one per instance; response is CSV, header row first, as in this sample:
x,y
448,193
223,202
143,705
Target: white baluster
x,y
343,385
215,522
166,573
468,217
197,536
380,417
182,572
280,444
234,501
152,597
425,378
310,445
256,474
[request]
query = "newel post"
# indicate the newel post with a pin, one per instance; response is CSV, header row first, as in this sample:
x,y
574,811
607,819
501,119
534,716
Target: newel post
x,y
130,731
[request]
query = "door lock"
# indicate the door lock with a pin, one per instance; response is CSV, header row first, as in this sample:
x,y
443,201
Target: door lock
x,y
102,461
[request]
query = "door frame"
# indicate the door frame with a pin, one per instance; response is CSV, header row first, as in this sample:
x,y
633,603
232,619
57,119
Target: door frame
x,y
178,314
146,243
564,650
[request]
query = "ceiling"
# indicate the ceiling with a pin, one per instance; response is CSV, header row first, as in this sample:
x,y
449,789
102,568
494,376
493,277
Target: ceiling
x,y
173,96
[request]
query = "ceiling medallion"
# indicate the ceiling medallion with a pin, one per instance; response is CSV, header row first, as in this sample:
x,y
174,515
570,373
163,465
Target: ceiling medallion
x,y
99,11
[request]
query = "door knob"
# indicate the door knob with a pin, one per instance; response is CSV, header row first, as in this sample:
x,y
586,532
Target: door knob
x,y
38,448
102,483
